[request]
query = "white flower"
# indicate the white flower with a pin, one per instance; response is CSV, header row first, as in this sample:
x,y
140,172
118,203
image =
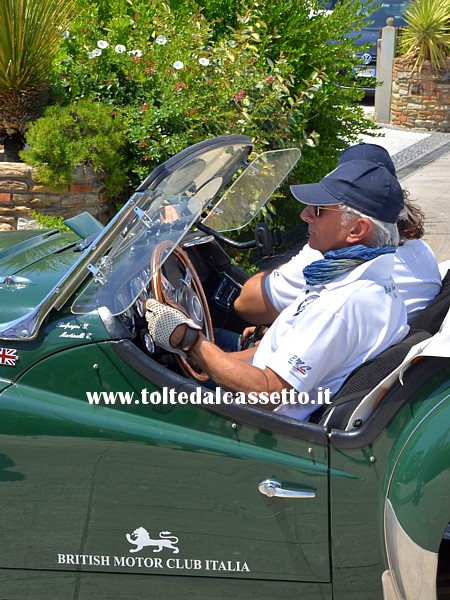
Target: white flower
x,y
102,44
203,61
95,52
137,53
120,48
178,65
161,40
65,35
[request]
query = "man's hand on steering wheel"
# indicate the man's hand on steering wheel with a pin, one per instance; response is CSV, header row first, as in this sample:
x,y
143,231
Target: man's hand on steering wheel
x,y
170,328
175,283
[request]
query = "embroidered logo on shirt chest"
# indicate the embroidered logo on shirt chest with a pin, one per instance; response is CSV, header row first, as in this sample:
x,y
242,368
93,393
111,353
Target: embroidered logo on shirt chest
x,y
306,302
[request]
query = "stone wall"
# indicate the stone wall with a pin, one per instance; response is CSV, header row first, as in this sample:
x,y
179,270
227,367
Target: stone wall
x,y
420,100
21,192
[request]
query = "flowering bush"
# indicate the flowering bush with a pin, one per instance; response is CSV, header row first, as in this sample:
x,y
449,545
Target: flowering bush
x,y
305,35
177,85
176,78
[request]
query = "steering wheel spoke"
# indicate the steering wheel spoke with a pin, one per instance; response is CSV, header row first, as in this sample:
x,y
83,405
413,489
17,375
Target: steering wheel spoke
x,y
168,292
187,280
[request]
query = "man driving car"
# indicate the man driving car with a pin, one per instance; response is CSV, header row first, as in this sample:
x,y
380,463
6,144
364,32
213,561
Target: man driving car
x,y
316,341
416,272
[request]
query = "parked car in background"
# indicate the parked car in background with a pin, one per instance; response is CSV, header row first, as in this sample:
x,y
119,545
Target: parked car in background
x,y
369,35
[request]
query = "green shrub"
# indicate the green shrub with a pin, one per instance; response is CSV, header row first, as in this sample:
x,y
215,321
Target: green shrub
x,y
85,133
278,71
48,221
274,76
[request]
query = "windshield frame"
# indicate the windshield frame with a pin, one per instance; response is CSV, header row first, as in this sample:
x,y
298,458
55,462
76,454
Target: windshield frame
x,y
27,328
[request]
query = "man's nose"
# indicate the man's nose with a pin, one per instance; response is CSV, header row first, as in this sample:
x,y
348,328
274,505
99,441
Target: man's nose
x,y
308,214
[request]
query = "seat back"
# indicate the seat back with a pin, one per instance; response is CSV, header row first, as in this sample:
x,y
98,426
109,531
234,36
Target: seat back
x,y
430,318
363,379
367,376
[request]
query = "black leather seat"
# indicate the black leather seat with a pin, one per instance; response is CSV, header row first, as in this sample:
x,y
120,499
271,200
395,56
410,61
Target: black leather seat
x,y
430,319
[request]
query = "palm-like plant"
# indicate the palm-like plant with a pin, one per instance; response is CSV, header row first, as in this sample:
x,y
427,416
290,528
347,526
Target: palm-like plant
x,y
427,34
30,34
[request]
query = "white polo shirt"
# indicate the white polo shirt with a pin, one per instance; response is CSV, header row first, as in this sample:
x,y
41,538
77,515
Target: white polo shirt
x,y
416,274
331,329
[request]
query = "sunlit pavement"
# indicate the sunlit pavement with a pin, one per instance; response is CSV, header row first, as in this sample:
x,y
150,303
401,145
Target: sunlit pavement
x,y
422,159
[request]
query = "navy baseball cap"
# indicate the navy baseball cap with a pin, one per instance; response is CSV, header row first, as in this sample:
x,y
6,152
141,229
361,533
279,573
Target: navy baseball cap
x,y
371,152
360,184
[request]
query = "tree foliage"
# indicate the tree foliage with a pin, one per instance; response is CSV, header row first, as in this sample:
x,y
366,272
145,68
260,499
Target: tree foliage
x,y
178,73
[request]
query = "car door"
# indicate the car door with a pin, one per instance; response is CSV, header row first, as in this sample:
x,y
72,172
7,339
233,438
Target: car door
x,y
170,494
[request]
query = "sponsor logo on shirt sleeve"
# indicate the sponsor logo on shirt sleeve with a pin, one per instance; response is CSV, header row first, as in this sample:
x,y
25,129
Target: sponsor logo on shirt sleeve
x,y
299,364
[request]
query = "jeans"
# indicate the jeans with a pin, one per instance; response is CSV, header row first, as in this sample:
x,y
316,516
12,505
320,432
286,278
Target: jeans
x,y
228,341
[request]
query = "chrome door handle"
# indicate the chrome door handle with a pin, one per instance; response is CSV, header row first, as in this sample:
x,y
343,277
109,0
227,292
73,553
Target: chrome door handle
x,y
271,488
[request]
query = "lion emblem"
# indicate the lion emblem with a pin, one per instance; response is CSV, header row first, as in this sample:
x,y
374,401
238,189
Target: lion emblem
x,y
141,538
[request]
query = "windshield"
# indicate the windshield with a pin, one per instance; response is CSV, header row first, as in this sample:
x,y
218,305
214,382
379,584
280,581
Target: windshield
x,y
239,205
169,207
172,198
164,208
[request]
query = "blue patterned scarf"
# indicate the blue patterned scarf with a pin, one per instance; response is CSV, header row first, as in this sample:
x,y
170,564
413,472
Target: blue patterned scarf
x,y
338,262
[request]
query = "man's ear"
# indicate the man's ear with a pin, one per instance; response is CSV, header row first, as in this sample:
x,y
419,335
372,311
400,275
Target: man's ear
x,y
360,231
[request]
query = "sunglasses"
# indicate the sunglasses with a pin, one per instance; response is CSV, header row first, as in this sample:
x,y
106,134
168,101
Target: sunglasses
x,y
317,210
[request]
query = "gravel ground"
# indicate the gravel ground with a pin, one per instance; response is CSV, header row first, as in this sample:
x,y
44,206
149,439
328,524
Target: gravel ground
x,y
404,145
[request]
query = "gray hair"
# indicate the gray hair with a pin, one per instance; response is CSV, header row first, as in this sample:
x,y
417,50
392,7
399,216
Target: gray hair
x,y
383,234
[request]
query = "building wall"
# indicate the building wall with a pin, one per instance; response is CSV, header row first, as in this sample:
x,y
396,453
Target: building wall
x,y
21,192
420,100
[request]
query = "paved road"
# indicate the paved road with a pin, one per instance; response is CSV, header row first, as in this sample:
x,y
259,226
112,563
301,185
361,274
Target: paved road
x,y
422,160
429,184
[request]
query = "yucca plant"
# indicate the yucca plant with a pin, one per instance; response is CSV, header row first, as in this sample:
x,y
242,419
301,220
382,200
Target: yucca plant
x,y
30,33
427,34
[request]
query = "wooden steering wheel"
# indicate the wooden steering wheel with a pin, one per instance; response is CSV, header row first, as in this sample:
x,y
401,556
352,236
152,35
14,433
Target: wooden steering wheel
x,y
177,284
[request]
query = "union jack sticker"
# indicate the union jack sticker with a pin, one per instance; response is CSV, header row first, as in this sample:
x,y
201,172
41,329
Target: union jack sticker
x,y
8,356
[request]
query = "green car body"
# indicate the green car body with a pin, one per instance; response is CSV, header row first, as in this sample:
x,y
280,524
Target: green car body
x,y
125,498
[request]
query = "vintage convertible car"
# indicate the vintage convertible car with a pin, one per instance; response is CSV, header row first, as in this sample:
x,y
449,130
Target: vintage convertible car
x,y
117,482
